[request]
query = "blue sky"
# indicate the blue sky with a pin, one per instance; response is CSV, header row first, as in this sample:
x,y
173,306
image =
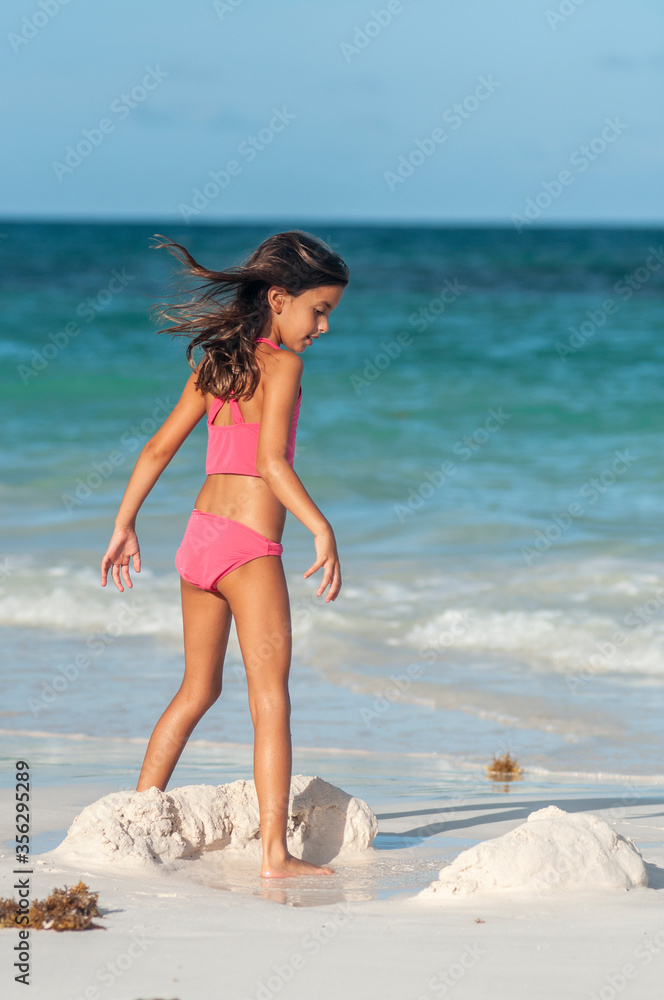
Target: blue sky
x,y
308,110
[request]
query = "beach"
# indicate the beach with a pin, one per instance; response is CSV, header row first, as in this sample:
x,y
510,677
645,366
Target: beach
x,y
208,929
478,428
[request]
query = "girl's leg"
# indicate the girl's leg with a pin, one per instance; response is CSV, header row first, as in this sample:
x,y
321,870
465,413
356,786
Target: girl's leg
x,y
206,619
258,596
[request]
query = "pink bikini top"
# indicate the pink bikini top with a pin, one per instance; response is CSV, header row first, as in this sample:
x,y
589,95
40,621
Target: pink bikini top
x,y
233,447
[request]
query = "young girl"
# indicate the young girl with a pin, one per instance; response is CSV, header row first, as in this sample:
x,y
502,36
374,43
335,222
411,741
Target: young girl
x,y
230,557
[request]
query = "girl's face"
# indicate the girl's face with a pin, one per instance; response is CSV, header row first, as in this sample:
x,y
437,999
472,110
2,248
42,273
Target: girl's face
x,y
298,320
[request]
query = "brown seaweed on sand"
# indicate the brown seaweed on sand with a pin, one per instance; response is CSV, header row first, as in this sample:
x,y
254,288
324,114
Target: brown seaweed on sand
x,y
68,909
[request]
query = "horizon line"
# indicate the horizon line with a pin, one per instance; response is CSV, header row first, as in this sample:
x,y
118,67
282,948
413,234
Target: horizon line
x,y
338,223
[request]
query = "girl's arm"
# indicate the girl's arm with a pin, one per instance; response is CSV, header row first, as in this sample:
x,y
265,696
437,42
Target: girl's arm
x,y
279,399
153,459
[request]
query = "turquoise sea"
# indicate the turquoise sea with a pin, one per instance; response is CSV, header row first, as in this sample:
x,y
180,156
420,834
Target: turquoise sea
x,y
482,426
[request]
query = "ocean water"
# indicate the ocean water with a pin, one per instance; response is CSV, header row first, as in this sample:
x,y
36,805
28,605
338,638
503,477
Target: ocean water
x,y
481,425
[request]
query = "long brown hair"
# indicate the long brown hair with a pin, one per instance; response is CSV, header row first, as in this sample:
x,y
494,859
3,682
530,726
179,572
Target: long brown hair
x,y
233,310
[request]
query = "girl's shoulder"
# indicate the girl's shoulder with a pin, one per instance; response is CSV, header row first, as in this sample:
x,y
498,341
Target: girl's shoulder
x,y
283,371
285,360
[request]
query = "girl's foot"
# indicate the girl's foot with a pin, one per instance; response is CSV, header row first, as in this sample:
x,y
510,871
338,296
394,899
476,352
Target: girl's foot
x,y
290,865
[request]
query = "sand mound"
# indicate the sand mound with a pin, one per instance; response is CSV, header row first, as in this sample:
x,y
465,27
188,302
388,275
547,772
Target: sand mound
x,y
153,827
552,848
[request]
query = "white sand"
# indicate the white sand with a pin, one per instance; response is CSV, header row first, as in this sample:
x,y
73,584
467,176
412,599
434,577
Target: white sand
x,y
172,934
552,849
153,827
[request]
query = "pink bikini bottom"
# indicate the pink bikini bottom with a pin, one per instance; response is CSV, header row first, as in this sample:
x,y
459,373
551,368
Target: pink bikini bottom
x,y
214,546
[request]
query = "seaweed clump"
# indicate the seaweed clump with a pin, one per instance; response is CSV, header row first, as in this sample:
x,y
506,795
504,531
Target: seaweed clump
x,y
504,768
68,909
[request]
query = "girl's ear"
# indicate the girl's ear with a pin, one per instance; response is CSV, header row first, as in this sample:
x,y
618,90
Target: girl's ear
x,y
276,297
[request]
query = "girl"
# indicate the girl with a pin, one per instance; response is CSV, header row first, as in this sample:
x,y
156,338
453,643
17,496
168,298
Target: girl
x,y
230,557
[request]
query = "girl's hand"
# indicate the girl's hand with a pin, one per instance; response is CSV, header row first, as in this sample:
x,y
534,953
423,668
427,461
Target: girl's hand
x,y
122,547
326,555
